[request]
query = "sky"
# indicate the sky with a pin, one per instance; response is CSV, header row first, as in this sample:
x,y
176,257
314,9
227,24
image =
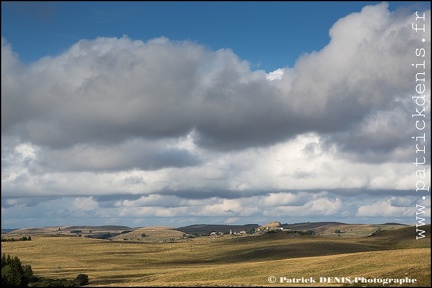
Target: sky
x,y
181,113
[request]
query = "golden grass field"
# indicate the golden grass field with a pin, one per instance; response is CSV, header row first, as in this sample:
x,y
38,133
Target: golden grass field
x,y
228,260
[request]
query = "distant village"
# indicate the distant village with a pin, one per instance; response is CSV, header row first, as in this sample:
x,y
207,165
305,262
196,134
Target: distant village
x,y
272,227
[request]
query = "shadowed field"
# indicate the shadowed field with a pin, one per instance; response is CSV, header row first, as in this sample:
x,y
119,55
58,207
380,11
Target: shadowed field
x,y
228,260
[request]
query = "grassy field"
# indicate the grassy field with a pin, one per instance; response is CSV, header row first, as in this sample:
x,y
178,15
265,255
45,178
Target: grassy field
x,y
228,260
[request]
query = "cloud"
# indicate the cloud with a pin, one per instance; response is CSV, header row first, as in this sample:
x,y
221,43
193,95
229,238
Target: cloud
x,y
109,90
160,209
133,154
291,204
275,75
391,208
164,128
85,204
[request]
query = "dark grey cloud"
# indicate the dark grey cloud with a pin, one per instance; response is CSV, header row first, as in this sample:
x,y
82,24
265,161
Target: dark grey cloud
x,y
209,192
126,156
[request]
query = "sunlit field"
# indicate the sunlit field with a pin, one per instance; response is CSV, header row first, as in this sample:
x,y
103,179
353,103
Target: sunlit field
x,y
227,260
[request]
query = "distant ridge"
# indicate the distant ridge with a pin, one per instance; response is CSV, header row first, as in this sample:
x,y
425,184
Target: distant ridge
x,y
93,231
310,225
111,231
105,227
8,230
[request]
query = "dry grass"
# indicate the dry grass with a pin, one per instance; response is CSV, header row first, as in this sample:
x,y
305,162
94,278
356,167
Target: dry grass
x,y
152,234
354,230
224,261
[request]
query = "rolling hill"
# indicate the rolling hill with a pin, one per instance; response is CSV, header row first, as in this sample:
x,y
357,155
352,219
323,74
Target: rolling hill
x,y
152,234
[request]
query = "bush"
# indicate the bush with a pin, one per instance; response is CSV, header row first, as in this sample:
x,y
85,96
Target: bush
x,y
43,282
81,280
13,273
10,277
28,273
24,238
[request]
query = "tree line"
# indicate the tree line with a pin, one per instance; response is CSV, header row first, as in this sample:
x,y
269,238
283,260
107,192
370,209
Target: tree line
x,y
24,238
